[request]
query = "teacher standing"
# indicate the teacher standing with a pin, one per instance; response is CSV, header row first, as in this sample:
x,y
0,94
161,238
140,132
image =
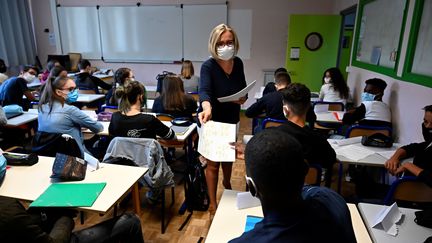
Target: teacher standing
x,y
221,75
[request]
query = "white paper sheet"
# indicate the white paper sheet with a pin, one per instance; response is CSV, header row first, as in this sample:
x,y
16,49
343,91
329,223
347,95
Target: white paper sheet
x,y
246,200
347,141
238,95
321,108
354,152
215,139
387,219
387,154
92,162
91,114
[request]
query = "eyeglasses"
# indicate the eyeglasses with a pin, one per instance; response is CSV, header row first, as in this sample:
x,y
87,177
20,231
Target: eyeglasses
x,y
229,43
251,185
71,89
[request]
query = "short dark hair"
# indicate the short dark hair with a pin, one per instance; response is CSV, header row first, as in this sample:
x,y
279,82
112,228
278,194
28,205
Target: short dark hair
x,y
297,96
377,82
274,160
83,64
282,77
3,67
26,68
280,70
428,108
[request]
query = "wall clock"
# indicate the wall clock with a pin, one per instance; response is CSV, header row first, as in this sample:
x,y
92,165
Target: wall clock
x,y
313,41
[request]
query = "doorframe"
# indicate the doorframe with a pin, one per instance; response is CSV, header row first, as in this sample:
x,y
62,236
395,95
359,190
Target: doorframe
x,y
344,13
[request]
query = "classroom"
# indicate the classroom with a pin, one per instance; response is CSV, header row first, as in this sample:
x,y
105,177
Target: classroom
x,y
160,34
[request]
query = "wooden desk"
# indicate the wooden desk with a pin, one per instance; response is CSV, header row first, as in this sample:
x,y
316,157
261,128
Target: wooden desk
x,y
229,222
28,182
330,116
409,231
88,98
27,117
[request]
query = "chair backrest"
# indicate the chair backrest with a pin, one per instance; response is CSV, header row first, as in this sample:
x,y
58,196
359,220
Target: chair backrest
x,y
49,144
164,117
332,106
313,177
270,122
75,58
194,95
110,108
409,189
363,130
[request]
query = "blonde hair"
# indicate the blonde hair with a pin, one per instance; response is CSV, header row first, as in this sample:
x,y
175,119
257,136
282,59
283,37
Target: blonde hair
x,y
187,70
215,36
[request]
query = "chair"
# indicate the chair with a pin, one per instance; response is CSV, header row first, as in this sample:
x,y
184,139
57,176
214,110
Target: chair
x,y
74,58
270,122
409,189
148,153
49,144
313,177
110,108
164,117
194,95
332,106
364,130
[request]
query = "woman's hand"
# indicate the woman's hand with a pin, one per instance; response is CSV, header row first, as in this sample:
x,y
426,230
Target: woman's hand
x,y
241,101
206,114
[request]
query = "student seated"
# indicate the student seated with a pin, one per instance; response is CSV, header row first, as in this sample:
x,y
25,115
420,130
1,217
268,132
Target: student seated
x,y
37,225
57,116
173,99
187,75
422,153
3,69
130,122
271,103
86,81
50,65
334,88
372,111
121,78
276,170
13,89
316,149
270,87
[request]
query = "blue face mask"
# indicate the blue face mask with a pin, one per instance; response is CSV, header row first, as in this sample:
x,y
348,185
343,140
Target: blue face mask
x,y
367,96
72,96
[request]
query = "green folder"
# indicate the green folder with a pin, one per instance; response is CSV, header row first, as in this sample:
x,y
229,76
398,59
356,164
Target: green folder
x,y
69,195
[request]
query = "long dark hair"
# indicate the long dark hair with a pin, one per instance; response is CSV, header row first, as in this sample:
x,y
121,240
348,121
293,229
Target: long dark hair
x,y
173,97
129,95
338,82
120,77
49,92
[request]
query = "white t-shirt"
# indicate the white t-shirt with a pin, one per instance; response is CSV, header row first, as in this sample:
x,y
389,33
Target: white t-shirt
x,y
377,110
327,93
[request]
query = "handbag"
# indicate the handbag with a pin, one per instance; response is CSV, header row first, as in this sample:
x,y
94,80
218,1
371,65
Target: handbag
x,y
21,159
377,140
68,168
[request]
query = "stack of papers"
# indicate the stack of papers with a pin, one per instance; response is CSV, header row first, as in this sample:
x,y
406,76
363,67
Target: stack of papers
x,y
354,152
238,95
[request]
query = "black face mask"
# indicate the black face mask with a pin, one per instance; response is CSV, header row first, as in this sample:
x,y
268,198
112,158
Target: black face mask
x,y
427,133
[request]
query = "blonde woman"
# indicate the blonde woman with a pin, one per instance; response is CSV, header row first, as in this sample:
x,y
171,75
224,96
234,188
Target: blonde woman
x,y
190,81
221,75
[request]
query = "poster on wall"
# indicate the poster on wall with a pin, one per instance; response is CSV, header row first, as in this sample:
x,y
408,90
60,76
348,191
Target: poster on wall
x,y
295,53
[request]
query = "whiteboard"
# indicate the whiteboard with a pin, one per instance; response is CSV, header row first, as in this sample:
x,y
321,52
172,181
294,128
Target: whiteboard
x,y
148,33
79,31
198,21
422,58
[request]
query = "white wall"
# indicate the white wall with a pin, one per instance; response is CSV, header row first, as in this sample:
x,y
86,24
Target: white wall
x,y
268,42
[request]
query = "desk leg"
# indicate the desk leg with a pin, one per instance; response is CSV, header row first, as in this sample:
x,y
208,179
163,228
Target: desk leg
x,y
136,199
340,177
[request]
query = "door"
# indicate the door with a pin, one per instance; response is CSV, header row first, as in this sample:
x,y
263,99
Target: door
x,y
308,65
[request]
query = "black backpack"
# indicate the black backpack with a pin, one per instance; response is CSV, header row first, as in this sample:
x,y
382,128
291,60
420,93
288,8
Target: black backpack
x,y
197,189
160,77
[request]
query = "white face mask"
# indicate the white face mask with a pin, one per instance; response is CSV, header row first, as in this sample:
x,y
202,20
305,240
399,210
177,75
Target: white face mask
x,y
327,80
225,52
29,77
